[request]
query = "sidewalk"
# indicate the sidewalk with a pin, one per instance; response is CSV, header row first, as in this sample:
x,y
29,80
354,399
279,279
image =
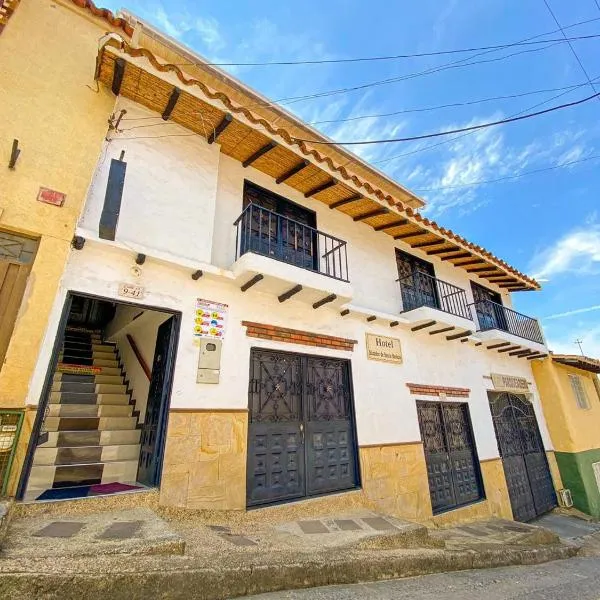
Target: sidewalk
x,y
133,553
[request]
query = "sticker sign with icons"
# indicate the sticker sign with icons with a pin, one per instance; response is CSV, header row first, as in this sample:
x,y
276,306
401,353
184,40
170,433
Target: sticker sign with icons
x,y
210,319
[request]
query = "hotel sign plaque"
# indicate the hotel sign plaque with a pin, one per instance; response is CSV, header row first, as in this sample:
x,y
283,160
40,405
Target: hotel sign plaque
x,y
384,349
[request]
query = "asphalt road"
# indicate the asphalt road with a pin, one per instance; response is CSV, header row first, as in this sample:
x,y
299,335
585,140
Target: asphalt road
x,y
576,578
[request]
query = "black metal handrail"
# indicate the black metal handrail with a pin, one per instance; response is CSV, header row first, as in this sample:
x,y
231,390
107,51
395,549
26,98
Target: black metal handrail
x,y
265,232
420,289
491,315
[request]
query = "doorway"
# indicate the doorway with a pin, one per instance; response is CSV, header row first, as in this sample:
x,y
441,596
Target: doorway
x,y
417,282
102,418
489,308
301,435
526,469
453,468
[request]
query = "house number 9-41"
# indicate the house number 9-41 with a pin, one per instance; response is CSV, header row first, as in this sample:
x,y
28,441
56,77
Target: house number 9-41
x,y
129,290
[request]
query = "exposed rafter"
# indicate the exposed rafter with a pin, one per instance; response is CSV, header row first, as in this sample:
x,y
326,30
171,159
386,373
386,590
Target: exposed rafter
x,y
325,300
496,346
372,213
473,261
429,244
345,201
458,336
423,325
292,171
252,282
509,349
391,225
443,330
457,255
482,269
291,292
220,128
171,103
406,236
266,148
321,188
118,73
442,250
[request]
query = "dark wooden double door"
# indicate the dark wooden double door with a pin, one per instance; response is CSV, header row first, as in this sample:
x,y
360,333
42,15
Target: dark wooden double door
x,y
452,464
526,469
301,437
279,228
417,282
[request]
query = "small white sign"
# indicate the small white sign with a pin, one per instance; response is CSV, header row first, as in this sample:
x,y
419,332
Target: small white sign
x,y
130,290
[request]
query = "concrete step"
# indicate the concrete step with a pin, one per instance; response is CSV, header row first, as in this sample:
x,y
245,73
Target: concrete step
x,y
88,398
89,423
90,410
85,454
92,438
87,353
57,476
85,387
116,378
89,362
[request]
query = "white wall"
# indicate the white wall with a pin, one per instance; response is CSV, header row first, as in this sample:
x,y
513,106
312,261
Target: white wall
x,y
170,186
386,411
143,330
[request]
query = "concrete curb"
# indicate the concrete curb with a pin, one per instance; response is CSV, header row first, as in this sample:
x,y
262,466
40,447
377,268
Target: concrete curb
x,y
201,583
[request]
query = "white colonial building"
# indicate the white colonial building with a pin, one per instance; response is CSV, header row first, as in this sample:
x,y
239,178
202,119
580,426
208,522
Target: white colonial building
x,y
247,318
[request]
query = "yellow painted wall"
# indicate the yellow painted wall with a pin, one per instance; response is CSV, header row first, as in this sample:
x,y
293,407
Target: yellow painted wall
x,y
48,59
50,104
572,429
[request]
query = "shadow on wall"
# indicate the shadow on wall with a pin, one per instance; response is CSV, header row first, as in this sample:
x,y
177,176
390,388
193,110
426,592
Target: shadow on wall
x,y
142,325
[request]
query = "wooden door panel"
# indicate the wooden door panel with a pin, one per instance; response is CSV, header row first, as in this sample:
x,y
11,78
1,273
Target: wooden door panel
x,y
13,281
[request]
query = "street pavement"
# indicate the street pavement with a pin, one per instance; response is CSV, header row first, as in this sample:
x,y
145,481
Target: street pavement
x,y
573,578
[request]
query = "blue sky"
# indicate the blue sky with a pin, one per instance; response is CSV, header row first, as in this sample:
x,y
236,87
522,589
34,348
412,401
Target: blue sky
x,y
548,224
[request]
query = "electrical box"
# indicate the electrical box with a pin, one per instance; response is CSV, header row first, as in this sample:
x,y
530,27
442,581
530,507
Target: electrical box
x,y
209,361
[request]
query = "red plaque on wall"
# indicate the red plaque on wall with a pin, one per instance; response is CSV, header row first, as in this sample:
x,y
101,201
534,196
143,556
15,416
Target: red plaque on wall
x,y
51,197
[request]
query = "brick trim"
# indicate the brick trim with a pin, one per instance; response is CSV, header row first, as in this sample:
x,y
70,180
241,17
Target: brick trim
x,y
436,390
296,336
7,8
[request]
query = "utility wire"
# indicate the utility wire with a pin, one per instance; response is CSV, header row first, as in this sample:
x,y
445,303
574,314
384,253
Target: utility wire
x,y
453,64
442,106
508,177
442,133
443,142
384,58
571,45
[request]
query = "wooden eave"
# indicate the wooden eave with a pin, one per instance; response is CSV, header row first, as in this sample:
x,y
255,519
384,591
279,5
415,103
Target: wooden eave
x,y
143,82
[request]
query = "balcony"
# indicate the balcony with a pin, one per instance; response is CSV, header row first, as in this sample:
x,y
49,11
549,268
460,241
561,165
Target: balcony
x,y
510,331
436,306
286,257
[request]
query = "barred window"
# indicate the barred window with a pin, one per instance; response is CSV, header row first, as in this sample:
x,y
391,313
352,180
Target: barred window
x,y
579,391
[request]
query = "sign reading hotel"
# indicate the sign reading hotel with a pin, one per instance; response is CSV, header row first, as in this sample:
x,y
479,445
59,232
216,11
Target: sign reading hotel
x,y
384,349
509,383
210,319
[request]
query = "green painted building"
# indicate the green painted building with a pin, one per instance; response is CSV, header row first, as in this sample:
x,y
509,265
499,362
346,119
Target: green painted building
x,y
570,395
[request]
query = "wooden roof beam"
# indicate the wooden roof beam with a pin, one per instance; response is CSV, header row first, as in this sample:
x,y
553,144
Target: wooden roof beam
x,y
474,261
252,282
458,255
423,325
391,225
266,148
441,250
345,201
291,292
482,269
372,213
220,128
321,188
171,103
118,74
406,236
428,244
325,300
457,336
515,283
292,171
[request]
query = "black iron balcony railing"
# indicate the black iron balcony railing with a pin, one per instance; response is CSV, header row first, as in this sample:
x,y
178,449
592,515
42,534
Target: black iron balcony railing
x,y
491,315
265,232
420,289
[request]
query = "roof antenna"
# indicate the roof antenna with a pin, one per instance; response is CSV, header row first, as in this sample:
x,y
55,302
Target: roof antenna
x,y
579,342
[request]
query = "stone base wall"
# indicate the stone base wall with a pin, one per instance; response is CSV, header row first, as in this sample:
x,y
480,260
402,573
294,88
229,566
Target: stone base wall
x,y
205,460
394,480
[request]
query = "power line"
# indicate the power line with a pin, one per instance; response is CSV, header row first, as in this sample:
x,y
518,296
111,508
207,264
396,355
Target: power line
x,y
442,133
442,106
570,45
384,58
508,177
445,66
443,142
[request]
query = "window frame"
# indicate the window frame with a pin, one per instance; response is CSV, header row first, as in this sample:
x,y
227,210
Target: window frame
x,y
578,388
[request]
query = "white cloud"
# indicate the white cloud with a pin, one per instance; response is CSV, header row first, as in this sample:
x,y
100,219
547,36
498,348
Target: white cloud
x,y
574,153
570,313
576,252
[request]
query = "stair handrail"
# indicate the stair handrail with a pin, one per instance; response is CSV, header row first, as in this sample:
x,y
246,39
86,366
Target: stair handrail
x,y
139,356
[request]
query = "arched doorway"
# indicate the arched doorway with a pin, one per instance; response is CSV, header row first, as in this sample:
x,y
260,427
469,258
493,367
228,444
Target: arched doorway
x,y
524,459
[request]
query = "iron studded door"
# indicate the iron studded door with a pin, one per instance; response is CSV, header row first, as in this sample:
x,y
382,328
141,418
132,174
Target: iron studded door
x,y
301,430
452,464
330,448
157,408
275,448
525,464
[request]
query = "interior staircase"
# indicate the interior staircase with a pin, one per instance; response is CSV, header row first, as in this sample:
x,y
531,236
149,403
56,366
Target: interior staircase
x,y
93,436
